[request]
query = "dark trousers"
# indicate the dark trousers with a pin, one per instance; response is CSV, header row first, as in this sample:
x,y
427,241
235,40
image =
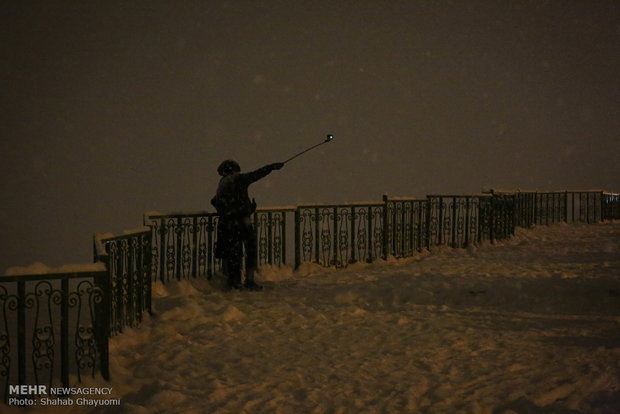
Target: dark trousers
x,y
233,236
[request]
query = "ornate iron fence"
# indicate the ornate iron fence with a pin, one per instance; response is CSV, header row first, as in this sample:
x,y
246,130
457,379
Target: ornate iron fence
x,y
404,226
458,220
545,208
271,226
127,258
586,206
183,244
52,326
337,235
611,206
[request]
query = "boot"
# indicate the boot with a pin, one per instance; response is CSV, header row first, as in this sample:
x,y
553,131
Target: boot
x,y
234,285
252,285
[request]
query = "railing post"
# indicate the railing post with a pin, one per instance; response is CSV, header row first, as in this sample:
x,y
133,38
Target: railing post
x,y
163,249
513,213
64,331
21,332
179,247
453,222
394,233
535,218
440,222
385,227
210,230
427,236
297,238
546,209
336,248
352,258
370,232
283,238
492,219
130,260
317,235
403,231
270,229
420,229
467,218
195,247
411,227
101,324
118,296
145,263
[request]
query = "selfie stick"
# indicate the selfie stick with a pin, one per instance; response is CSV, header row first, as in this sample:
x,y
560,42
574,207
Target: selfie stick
x,y
328,139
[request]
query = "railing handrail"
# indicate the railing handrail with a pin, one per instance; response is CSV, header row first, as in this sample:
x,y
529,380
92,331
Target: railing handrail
x,y
465,195
277,208
177,214
29,277
352,204
124,235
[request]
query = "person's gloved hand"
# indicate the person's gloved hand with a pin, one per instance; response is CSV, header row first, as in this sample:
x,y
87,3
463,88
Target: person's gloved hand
x,y
277,165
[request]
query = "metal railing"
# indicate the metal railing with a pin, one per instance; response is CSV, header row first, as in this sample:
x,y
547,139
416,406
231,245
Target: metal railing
x,y
545,208
127,259
340,234
335,235
52,326
183,244
610,209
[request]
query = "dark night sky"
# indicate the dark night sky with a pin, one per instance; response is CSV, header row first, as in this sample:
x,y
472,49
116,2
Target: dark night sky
x,y
114,108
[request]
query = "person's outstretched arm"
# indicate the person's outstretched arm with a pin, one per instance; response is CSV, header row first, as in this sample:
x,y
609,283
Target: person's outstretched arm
x,y
256,175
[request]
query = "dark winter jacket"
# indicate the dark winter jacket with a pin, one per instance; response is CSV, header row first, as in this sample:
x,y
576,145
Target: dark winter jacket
x,y
231,200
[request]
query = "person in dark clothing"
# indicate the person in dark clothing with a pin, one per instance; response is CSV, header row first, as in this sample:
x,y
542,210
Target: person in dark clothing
x,y
235,230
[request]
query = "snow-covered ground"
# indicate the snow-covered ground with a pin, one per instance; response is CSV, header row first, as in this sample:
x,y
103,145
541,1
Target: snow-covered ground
x,y
529,325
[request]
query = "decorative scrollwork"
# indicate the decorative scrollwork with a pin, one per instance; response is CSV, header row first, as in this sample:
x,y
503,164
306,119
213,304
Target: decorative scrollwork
x,y
433,227
155,231
278,237
361,233
203,228
43,331
377,231
446,209
343,218
170,232
306,218
473,219
7,302
323,221
264,225
186,230
85,344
